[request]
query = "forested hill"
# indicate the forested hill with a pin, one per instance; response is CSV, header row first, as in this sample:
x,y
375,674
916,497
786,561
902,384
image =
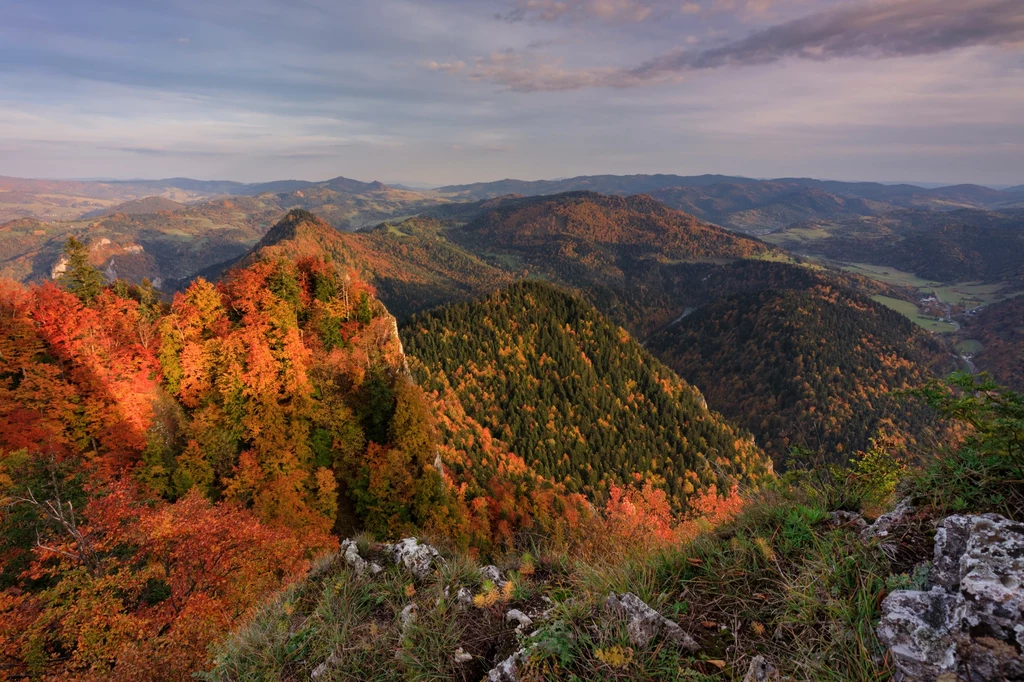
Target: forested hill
x,y
628,255
589,226
1000,328
809,368
576,396
411,265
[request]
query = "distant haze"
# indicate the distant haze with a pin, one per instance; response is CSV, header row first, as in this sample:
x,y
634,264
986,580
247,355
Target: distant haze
x,y
436,92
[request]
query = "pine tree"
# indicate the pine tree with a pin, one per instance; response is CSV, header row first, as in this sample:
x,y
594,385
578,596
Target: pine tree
x,y
79,277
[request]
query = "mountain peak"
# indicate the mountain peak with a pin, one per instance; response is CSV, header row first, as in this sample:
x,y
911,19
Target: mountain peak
x,y
294,222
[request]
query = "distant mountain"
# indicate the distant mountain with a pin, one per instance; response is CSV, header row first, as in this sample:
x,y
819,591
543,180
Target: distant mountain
x,y
604,184
576,396
346,203
813,368
621,260
955,246
139,207
763,207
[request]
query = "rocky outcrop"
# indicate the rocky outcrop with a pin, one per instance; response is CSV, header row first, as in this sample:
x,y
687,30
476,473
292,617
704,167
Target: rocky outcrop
x,y
644,623
971,622
920,630
885,524
418,559
350,553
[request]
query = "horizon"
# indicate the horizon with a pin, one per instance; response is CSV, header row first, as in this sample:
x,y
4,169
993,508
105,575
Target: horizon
x,y
421,186
444,91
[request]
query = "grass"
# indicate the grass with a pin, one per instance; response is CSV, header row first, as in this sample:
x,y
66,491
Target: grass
x,y
972,294
775,257
798,235
889,275
969,347
779,581
911,311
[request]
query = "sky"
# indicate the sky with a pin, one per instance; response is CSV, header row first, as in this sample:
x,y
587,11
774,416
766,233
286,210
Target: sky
x,y
449,91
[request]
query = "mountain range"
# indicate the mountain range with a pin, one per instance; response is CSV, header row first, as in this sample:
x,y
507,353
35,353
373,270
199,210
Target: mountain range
x,y
744,204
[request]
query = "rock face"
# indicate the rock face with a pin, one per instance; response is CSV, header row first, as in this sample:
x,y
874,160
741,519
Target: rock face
x,y
920,630
992,578
419,559
644,623
971,622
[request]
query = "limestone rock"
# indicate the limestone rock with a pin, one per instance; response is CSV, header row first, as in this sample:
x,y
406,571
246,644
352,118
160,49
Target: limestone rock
x,y
760,670
508,670
884,524
991,659
920,629
350,553
461,656
418,559
332,661
517,616
493,573
992,577
407,617
848,519
644,623
972,621
950,544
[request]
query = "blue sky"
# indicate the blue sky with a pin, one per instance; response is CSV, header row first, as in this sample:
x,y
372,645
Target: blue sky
x,y
440,91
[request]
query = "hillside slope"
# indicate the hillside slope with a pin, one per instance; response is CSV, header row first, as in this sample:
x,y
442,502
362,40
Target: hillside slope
x,y
811,368
576,396
1000,328
411,265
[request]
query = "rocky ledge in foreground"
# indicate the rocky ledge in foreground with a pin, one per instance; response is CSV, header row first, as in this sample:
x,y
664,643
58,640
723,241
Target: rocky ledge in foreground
x,y
970,624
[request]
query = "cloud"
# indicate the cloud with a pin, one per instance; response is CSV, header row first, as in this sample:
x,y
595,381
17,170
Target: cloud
x,y
526,72
870,29
636,11
874,29
618,11
158,152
